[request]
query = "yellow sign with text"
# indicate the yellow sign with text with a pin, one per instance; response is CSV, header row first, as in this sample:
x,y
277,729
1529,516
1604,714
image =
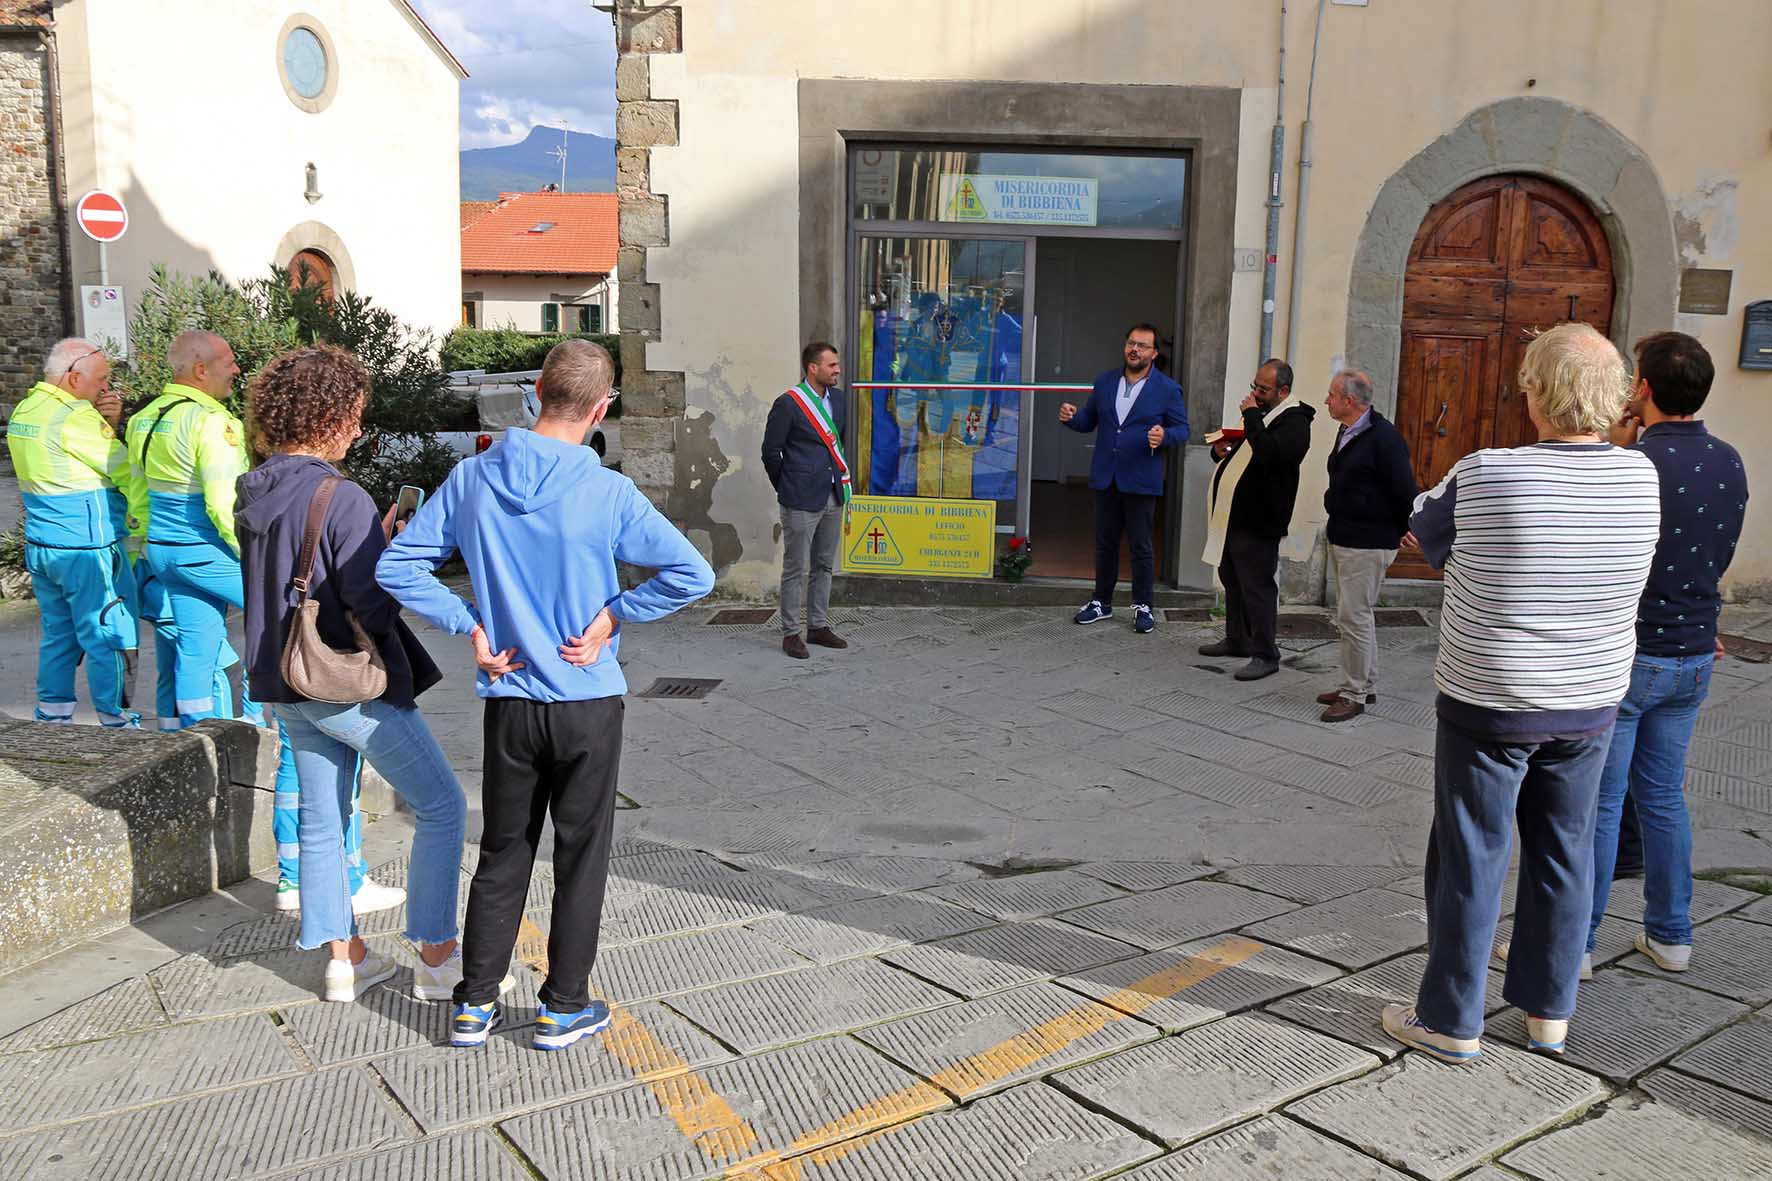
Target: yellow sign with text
x,y
920,537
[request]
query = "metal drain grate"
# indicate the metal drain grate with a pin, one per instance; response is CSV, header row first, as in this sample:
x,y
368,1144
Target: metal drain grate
x,y
733,616
1399,617
1188,614
1305,627
681,688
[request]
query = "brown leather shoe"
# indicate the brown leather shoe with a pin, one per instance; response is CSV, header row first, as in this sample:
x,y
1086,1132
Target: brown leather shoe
x,y
1343,710
1334,695
796,647
826,638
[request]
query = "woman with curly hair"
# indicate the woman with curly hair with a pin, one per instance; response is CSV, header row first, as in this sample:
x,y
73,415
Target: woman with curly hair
x,y
304,409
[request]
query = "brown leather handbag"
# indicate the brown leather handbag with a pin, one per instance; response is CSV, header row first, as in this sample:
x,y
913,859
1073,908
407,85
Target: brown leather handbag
x,y
311,666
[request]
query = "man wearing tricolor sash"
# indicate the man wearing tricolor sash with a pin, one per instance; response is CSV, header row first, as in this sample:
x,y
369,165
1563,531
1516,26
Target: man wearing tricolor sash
x,y
803,454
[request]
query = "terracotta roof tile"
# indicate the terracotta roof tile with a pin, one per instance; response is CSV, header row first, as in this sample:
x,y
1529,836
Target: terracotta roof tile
x,y
26,12
473,211
581,241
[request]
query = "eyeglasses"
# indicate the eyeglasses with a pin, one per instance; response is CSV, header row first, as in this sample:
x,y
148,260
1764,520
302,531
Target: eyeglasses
x,y
1255,387
1134,346
78,361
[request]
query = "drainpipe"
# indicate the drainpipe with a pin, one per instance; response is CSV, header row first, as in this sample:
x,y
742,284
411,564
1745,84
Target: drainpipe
x,y
1276,162
1304,189
58,180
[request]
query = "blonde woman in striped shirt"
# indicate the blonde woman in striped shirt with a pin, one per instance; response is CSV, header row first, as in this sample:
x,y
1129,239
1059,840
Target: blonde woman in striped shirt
x,y
1546,549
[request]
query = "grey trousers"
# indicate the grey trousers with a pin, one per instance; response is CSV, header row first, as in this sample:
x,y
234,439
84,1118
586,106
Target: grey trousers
x,y
1359,573
810,541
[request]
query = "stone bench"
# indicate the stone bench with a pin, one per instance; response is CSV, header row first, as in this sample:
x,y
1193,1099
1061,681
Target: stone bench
x,y
100,827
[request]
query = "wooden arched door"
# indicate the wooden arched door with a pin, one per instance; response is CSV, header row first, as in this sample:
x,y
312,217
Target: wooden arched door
x,y
1498,260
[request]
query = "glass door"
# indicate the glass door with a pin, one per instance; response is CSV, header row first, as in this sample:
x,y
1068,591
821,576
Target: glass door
x,y
940,349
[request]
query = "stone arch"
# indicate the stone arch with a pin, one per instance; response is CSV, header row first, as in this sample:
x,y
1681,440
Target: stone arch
x,y
315,235
1544,136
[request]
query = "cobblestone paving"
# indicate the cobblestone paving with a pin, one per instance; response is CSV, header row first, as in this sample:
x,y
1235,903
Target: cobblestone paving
x,y
986,896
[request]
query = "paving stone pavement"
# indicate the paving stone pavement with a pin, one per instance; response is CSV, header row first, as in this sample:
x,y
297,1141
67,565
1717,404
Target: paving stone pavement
x,y
984,897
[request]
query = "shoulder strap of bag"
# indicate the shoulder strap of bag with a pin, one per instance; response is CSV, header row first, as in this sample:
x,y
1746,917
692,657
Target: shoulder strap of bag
x,y
310,540
148,439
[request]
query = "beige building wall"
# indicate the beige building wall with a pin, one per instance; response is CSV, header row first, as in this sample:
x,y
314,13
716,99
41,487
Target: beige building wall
x,y
514,301
187,119
1392,78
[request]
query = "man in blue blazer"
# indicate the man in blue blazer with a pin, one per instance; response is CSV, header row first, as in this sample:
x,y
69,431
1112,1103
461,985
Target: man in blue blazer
x,y
1136,413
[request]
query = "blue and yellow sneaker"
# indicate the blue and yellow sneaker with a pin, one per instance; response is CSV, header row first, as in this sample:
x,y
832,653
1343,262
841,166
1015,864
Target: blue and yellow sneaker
x,y
556,1031
472,1023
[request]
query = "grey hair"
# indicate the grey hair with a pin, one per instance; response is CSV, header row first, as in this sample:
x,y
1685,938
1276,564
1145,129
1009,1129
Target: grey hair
x,y
1355,384
64,355
191,349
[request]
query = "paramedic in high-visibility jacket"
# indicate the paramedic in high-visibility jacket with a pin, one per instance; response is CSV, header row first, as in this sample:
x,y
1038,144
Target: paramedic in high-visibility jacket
x,y
188,450
78,494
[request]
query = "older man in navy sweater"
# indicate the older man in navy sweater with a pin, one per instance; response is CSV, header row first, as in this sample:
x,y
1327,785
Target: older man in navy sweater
x,y
1370,496
1136,413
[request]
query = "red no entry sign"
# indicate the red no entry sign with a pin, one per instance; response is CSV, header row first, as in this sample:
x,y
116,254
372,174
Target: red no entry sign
x,y
102,216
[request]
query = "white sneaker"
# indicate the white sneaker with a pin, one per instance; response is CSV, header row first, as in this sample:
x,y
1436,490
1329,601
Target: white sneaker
x,y
438,983
1401,1022
288,895
1669,957
372,896
346,981
1546,1035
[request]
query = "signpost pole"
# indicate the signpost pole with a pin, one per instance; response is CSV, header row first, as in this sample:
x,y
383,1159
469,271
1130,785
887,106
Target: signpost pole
x,y
104,267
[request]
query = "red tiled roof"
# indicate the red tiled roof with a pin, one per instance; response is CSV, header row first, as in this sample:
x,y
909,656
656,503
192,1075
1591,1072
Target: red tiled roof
x,y
581,241
26,12
473,211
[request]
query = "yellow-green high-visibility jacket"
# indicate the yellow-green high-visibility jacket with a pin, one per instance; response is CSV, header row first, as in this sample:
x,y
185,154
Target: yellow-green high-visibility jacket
x,y
188,450
73,474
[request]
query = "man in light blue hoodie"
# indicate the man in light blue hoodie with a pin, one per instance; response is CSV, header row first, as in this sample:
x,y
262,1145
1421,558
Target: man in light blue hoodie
x,y
541,525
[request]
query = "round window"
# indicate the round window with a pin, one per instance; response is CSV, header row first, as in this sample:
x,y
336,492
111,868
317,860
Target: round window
x,y
307,63
304,57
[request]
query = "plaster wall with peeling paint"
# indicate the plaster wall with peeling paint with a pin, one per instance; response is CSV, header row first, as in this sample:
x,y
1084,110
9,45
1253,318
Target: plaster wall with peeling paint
x,y
1392,79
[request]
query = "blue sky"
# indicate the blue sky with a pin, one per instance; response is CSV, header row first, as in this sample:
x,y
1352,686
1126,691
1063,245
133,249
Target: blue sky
x,y
530,62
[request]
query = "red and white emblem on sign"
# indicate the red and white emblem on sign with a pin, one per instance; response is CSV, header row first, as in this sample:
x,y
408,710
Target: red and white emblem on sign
x,y
102,216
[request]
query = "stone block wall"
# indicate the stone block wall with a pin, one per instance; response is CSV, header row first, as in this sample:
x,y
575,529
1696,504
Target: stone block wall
x,y
31,313
652,400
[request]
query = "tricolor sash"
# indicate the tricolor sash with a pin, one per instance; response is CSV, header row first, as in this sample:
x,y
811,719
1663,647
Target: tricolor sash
x,y
812,406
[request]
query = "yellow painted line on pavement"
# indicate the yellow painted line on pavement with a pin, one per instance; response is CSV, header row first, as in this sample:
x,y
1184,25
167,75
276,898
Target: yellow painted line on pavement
x,y
699,1112
1013,1054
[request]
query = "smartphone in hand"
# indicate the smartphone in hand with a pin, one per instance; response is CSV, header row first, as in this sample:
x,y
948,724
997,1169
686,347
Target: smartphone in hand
x,y
407,503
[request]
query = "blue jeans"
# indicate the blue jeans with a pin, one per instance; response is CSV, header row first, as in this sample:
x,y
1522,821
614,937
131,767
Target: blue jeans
x,y
1648,759
395,741
1482,789
286,820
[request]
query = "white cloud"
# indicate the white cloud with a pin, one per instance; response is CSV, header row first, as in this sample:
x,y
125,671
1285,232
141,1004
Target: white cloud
x,y
531,62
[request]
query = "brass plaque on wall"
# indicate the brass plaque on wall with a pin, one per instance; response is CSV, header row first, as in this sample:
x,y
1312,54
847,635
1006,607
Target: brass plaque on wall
x,y
1705,292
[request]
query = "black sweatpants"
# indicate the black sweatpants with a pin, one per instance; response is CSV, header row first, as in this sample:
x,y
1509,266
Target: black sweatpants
x,y
1118,512
559,758
1251,594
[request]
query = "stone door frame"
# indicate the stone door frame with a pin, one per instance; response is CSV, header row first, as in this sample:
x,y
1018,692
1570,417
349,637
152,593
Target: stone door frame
x,y
1544,137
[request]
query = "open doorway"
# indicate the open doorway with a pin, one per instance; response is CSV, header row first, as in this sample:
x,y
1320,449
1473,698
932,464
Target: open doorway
x,y
1090,291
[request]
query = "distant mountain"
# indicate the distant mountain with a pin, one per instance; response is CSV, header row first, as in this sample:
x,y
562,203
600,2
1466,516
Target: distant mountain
x,y
527,166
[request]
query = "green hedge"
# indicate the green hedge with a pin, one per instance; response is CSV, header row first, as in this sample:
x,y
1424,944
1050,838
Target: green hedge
x,y
505,350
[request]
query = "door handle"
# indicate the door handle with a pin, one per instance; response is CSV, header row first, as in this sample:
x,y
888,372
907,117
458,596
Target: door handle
x,y
1572,300
1438,429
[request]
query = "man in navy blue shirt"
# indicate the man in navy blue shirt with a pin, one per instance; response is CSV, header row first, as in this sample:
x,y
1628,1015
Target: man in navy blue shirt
x,y
1137,414
1703,503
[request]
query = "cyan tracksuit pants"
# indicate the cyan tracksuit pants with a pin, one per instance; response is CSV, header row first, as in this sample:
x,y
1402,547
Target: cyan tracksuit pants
x,y
151,609
84,597
200,582
286,820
